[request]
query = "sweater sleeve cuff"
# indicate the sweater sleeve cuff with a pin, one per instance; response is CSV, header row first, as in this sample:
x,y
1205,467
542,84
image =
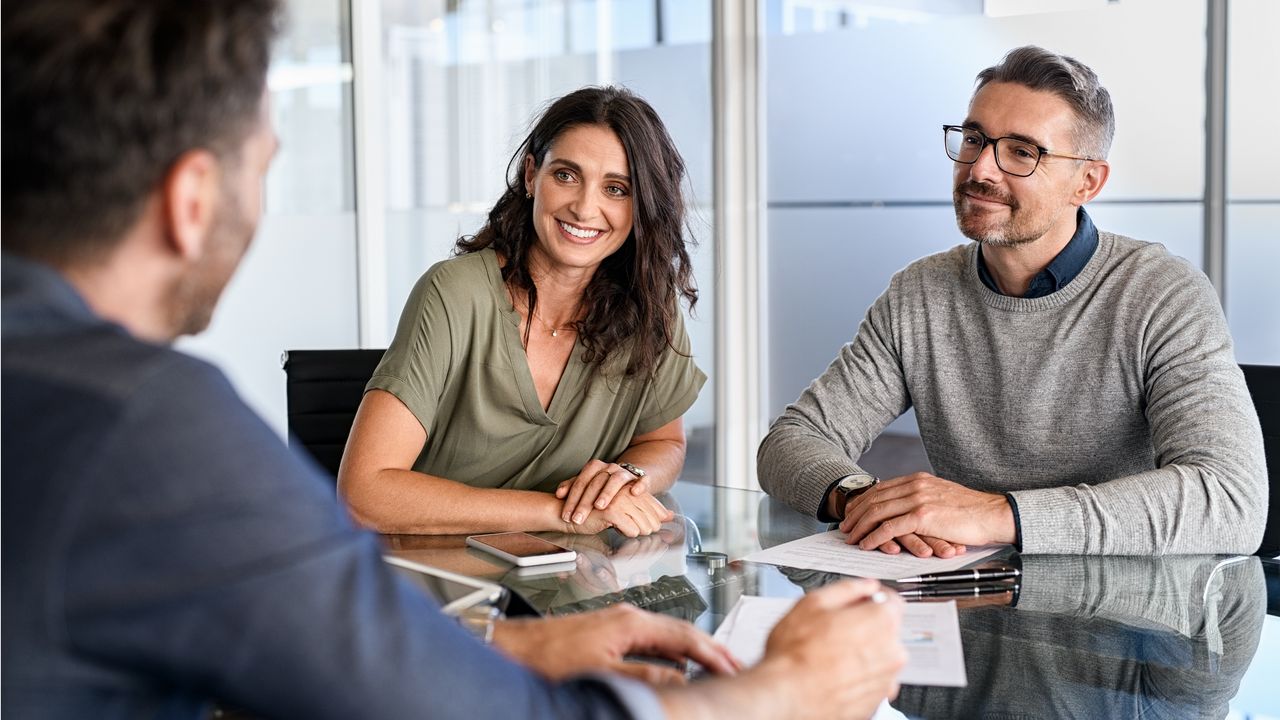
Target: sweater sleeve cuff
x,y
1050,521
813,487
1017,521
823,515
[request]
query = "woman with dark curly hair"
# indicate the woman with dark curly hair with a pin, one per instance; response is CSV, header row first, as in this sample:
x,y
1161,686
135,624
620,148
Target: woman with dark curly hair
x,y
537,380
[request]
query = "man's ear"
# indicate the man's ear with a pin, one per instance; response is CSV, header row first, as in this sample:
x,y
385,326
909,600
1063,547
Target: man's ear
x,y
190,197
1091,182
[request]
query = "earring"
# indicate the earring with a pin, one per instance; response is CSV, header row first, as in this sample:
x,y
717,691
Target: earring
x,y
528,195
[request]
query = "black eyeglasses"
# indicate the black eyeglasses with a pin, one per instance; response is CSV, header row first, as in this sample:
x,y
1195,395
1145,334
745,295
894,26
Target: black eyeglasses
x,y
1013,156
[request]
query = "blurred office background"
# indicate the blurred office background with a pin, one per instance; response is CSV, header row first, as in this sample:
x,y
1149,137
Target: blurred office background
x,y
812,134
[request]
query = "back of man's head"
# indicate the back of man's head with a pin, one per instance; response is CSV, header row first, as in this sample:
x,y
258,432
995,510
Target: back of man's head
x,y
100,97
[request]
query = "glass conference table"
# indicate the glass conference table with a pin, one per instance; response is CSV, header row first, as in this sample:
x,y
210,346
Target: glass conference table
x,y
1085,637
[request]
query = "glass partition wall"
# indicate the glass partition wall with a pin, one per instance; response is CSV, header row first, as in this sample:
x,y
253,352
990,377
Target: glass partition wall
x,y
855,181
1253,190
859,185
462,82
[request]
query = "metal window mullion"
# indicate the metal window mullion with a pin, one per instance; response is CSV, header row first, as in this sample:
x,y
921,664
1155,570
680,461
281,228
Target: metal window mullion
x,y
738,126
1215,148
370,173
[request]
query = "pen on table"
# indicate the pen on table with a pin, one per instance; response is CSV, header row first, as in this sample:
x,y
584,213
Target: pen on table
x,y
974,575
958,590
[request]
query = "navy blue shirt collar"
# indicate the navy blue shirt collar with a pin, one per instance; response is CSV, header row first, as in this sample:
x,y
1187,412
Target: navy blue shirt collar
x,y
1063,269
38,299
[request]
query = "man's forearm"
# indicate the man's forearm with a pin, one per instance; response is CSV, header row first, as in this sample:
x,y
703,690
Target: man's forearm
x,y
1168,511
797,465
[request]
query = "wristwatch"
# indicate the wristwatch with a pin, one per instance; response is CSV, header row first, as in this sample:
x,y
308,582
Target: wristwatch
x,y
632,469
851,486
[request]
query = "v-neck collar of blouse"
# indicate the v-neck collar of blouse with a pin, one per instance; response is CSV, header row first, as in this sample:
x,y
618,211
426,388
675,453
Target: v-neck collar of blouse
x,y
518,358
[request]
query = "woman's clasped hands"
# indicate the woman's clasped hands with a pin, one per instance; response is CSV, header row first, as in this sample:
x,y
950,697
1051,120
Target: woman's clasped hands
x,y
608,495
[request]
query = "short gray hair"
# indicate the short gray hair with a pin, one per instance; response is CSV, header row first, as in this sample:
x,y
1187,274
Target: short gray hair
x,y
1073,81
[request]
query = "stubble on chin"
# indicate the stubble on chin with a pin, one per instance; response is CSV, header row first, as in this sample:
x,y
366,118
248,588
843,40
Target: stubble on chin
x,y
193,299
990,237
974,224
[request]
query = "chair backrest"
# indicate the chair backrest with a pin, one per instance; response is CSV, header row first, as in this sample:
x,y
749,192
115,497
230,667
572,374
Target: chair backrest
x,y
1264,386
323,389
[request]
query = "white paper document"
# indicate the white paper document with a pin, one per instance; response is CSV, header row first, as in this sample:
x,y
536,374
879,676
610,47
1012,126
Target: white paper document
x,y
829,553
930,633
747,626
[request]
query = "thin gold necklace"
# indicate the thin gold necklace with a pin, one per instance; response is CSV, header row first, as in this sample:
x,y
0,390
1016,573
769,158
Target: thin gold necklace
x,y
555,331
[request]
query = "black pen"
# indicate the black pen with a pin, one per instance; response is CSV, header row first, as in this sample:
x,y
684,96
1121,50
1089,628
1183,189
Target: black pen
x,y
958,590
974,575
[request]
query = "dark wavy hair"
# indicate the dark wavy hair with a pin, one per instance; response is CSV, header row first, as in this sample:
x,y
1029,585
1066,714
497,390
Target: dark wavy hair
x,y
101,97
632,300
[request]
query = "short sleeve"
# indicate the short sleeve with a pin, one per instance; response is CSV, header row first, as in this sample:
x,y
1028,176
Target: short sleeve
x,y
675,385
416,366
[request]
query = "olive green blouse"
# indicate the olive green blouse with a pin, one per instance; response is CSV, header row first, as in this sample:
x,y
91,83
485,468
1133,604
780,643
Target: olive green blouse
x,y
458,364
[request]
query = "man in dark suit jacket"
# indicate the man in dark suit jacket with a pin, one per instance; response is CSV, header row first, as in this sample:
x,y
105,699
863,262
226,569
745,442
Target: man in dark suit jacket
x,y
161,548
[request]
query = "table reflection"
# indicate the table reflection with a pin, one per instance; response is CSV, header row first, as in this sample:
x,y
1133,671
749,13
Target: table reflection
x,y
1085,637
1108,638
1088,637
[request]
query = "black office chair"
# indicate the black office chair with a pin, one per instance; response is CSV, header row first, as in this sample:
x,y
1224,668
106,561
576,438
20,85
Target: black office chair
x,y
1264,386
323,390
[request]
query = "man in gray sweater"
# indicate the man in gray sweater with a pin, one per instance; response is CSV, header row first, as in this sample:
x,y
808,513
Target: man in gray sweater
x,y
1076,390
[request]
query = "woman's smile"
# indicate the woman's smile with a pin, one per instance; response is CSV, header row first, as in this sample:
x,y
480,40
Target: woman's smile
x,y
582,199
578,233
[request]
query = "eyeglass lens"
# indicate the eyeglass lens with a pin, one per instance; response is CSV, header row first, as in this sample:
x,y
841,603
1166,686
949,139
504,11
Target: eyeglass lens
x,y
1015,157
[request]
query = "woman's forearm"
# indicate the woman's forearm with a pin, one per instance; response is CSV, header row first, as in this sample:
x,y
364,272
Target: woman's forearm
x,y
661,460
409,502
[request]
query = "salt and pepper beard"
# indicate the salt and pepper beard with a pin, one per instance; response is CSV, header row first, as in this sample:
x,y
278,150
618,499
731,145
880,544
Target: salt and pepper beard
x,y
998,237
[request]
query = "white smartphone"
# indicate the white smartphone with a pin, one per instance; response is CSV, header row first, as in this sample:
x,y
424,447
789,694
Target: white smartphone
x,y
538,571
521,548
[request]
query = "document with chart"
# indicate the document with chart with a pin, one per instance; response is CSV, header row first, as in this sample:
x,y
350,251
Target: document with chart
x,y
930,632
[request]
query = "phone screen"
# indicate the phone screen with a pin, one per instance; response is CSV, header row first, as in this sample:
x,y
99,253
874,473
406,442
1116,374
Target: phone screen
x,y
521,544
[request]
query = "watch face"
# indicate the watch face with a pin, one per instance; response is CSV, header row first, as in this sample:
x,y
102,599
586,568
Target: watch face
x,y
856,483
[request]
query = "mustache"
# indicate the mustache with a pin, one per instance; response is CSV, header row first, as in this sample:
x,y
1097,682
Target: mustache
x,y
984,191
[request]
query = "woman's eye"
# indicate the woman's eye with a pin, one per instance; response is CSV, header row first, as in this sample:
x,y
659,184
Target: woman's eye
x,y
616,190
563,175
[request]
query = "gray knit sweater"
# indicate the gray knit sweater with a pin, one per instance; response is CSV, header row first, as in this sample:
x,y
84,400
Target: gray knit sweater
x,y
1112,410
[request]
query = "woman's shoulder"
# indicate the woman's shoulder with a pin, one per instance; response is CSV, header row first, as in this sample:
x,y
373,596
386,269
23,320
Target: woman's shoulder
x,y
469,276
470,269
